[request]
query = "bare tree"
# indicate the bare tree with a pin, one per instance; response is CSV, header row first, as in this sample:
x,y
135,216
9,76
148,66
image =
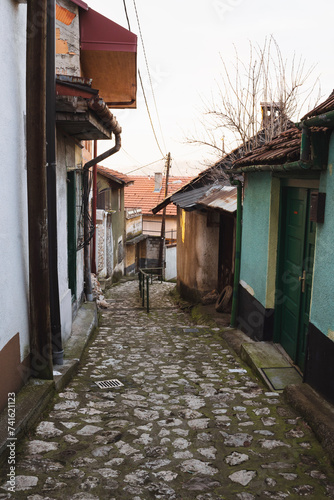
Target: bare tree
x,y
256,99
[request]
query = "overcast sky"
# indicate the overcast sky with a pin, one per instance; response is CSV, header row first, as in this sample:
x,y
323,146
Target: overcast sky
x,y
184,41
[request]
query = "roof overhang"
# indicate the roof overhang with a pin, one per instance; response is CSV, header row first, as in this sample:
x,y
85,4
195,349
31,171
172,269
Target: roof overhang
x,y
78,121
81,4
137,239
109,57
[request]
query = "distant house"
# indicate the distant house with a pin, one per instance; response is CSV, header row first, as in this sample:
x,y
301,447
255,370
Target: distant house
x,y
110,228
206,208
146,193
285,290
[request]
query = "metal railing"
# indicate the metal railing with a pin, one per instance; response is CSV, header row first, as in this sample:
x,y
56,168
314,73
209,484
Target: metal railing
x,y
145,276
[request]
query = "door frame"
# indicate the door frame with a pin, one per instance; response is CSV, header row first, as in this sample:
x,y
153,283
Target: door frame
x,y
309,184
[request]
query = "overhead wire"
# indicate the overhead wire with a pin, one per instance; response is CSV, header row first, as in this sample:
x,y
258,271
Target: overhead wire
x,y
149,73
141,81
148,164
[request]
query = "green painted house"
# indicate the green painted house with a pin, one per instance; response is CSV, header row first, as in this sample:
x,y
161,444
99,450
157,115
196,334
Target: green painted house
x,y
286,292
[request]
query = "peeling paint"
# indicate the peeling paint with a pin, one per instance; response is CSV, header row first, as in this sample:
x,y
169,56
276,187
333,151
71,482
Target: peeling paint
x,y
61,45
247,287
64,16
330,334
183,224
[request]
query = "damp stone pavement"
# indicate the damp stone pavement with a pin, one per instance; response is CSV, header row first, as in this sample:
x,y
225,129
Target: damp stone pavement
x,y
190,422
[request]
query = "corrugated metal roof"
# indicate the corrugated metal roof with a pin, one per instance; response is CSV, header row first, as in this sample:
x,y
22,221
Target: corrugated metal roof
x,y
222,198
188,200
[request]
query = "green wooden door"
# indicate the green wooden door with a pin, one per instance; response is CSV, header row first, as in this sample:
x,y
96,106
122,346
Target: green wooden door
x,y
297,237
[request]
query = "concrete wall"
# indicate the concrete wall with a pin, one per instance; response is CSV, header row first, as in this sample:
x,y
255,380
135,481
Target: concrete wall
x,y
68,39
14,265
255,234
197,254
111,230
152,225
68,157
133,224
322,310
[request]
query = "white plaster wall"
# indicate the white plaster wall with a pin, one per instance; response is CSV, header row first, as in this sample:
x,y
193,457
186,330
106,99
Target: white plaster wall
x,y
13,186
171,268
65,301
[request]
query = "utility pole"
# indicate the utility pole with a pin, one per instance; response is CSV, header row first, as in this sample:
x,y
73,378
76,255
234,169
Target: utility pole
x,y
163,222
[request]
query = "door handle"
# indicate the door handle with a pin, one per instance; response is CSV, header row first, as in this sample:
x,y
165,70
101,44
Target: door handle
x,y
302,279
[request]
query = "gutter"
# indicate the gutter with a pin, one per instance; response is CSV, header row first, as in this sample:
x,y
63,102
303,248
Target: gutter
x,y
286,167
324,120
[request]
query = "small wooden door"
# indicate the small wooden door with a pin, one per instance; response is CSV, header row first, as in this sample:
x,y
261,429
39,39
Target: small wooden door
x,y
294,284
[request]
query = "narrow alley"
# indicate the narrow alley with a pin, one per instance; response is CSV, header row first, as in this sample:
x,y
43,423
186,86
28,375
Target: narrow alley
x,y
189,422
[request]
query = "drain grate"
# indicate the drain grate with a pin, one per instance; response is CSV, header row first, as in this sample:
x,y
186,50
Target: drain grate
x,y
109,384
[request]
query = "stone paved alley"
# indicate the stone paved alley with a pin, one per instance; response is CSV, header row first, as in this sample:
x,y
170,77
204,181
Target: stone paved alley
x,y
191,421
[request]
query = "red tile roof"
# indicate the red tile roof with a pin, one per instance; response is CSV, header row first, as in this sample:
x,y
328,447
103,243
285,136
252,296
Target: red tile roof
x,y
114,175
142,195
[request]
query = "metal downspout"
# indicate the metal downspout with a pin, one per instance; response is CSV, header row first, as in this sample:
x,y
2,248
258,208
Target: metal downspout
x,y
57,348
87,166
237,254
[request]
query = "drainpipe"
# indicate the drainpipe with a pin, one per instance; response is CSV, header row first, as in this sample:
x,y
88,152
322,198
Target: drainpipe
x,y
324,120
237,254
57,348
87,166
94,204
39,290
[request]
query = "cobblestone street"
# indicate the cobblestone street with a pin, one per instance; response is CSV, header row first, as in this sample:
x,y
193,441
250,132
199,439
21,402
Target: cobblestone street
x,y
190,422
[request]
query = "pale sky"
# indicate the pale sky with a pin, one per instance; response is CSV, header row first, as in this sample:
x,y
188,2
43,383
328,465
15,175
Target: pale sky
x,y
184,40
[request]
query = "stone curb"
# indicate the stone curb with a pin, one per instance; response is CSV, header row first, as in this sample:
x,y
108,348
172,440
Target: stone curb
x,y
36,394
317,412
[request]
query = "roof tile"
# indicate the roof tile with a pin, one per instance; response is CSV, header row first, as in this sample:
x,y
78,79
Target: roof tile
x,y
113,174
142,195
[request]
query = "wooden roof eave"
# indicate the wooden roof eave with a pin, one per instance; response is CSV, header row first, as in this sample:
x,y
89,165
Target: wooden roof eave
x,y
283,167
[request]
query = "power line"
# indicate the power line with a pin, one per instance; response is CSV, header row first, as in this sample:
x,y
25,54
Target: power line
x,y
126,13
143,166
148,112
141,82
149,73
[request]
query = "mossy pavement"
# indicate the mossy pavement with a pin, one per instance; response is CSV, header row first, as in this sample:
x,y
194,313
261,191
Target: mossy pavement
x,y
190,421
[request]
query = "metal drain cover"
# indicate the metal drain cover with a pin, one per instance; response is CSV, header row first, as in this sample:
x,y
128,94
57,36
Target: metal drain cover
x,y
109,384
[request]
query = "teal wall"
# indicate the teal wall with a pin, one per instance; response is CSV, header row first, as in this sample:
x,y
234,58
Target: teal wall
x,y
255,233
322,308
